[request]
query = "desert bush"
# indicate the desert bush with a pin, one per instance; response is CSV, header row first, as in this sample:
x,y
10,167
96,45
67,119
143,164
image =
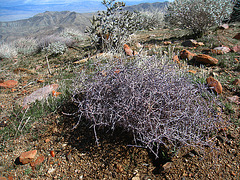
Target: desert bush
x,y
110,29
55,48
152,19
156,102
7,50
235,16
73,34
198,15
51,39
26,45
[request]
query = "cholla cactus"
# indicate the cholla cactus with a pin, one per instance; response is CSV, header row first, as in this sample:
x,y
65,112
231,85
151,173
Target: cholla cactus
x,y
111,28
157,103
198,15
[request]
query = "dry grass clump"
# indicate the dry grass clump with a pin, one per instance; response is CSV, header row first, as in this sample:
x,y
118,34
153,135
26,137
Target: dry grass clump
x,y
157,103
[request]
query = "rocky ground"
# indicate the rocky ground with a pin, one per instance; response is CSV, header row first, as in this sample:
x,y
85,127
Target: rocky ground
x,y
59,152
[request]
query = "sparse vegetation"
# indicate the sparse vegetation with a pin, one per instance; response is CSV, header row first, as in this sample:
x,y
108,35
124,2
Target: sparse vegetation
x,y
147,113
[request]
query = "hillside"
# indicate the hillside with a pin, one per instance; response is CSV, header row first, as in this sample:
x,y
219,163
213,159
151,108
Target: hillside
x,y
51,22
44,23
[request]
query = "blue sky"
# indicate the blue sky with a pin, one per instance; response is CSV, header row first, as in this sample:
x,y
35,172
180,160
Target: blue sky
x,y
11,10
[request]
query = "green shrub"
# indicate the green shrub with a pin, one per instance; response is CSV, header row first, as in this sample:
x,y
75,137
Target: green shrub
x,y
198,15
55,48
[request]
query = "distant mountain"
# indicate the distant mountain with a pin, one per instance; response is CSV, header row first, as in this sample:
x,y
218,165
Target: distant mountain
x,y
148,6
51,22
46,23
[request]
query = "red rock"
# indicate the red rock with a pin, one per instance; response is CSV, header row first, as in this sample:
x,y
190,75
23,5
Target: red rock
x,y
237,36
167,42
176,59
192,71
128,50
47,140
206,59
167,166
236,48
236,82
38,161
9,84
27,157
215,84
3,178
185,54
52,153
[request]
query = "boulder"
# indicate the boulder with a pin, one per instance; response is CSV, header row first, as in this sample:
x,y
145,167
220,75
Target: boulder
x,y
128,50
215,84
205,59
27,157
185,54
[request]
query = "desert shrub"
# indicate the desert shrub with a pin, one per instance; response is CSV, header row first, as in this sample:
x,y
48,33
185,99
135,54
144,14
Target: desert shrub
x,y
51,39
157,103
110,29
7,50
235,16
152,19
198,15
26,45
73,34
55,48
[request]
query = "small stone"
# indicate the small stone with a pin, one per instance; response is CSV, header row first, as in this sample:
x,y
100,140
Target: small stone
x,y
224,49
128,50
40,81
9,84
237,36
236,48
236,82
234,99
27,157
185,54
38,161
200,44
51,170
47,140
192,71
52,153
167,42
167,165
215,84
119,168
176,59
206,59
224,26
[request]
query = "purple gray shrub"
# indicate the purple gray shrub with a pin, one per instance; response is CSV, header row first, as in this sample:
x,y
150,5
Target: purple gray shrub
x,y
158,103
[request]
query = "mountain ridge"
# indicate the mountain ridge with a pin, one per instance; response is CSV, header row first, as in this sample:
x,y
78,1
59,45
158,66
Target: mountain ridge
x,y
51,22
